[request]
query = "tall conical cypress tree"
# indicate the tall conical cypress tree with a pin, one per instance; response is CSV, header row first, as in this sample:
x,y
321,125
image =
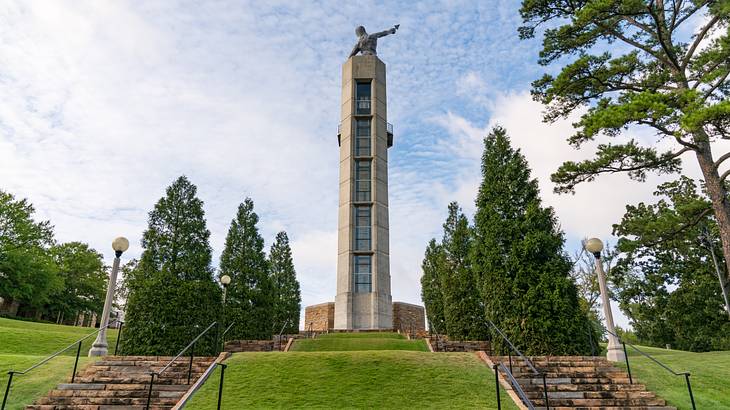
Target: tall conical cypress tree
x,y
518,256
431,292
463,308
172,293
287,297
250,295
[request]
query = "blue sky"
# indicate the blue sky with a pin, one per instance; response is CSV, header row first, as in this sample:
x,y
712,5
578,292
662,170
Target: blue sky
x,y
105,103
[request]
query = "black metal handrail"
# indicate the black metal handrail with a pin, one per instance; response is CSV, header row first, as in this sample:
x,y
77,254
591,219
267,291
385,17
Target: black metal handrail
x,y
190,346
667,368
223,336
77,343
526,360
517,388
282,331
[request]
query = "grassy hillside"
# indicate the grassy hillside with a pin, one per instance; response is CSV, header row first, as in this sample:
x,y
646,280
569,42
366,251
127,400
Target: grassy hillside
x,y
358,341
23,344
361,379
710,375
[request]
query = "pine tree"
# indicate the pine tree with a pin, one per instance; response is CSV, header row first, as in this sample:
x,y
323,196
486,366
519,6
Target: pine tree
x,y
431,294
250,295
463,309
518,256
287,297
172,293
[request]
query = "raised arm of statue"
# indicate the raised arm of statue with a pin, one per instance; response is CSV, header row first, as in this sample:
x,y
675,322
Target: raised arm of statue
x,y
385,32
355,50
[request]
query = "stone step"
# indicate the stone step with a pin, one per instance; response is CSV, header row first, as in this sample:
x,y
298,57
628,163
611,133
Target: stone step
x,y
608,408
538,394
122,383
601,402
586,387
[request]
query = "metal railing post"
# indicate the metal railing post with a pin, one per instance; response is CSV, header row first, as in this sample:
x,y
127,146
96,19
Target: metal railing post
x,y
544,388
7,388
76,363
190,366
509,353
689,389
119,337
628,368
496,384
149,393
220,385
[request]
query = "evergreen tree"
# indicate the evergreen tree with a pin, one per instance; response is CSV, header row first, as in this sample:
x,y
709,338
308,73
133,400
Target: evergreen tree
x,y
463,309
172,293
250,294
287,297
431,293
518,256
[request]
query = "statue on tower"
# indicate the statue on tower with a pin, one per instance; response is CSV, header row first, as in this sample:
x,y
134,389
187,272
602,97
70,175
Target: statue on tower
x,y
368,43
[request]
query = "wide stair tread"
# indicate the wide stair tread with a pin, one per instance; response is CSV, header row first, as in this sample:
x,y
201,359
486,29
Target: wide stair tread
x,y
580,382
122,383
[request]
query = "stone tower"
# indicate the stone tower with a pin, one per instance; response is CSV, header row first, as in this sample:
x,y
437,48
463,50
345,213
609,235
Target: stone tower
x,y
363,299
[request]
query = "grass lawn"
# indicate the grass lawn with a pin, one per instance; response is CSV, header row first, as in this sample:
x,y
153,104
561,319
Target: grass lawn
x,y
355,379
22,344
710,376
358,341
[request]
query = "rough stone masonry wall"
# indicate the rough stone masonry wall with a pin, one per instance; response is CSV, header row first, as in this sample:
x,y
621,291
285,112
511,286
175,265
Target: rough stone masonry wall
x,y
408,317
321,317
250,346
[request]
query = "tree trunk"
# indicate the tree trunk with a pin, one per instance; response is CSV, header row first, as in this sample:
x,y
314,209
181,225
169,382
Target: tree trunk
x,y
720,206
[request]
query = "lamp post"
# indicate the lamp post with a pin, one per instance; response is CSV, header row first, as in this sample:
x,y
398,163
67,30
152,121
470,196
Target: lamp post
x,y
225,281
615,353
100,346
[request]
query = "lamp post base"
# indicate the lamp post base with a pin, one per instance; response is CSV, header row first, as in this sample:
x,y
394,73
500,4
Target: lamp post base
x,y
98,349
615,354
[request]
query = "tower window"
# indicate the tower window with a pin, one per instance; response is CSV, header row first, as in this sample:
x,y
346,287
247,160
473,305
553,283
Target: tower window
x,y
363,273
363,235
362,180
362,97
362,137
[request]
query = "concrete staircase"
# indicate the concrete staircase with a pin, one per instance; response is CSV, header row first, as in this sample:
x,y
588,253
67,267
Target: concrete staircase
x,y
581,382
122,383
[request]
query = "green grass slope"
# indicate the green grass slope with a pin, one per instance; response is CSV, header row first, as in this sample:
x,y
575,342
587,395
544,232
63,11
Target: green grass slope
x,y
353,379
710,376
358,341
22,344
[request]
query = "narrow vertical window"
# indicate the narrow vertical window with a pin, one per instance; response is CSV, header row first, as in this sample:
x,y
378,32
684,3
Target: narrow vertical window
x,y
362,137
363,236
363,273
362,180
362,98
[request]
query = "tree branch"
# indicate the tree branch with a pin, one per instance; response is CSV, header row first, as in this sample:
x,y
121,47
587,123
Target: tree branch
x,y
715,86
724,175
722,158
701,35
636,44
682,228
659,29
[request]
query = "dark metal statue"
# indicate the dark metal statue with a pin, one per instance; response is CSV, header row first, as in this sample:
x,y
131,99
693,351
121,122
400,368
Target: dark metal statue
x,y
368,43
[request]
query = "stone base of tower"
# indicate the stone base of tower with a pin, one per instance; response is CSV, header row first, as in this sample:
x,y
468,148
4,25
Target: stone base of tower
x,y
401,316
363,311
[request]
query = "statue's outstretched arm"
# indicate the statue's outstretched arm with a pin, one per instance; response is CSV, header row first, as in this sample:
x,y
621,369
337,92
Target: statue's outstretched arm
x,y
384,33
354,51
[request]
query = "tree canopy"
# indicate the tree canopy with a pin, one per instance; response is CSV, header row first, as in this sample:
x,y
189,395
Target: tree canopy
x,y
519,260
172,294
666,70
251,293
287,302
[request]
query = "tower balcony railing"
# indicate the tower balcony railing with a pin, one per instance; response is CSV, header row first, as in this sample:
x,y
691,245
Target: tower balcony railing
x,y
362,107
